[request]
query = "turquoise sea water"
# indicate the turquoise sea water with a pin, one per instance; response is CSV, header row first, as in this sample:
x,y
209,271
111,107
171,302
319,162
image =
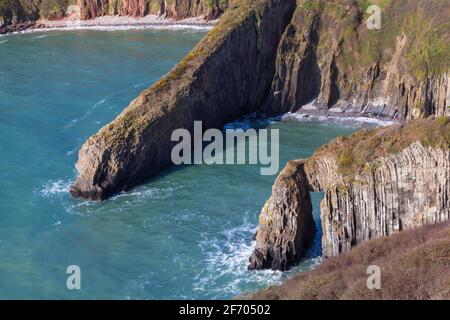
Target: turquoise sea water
x,y
185,234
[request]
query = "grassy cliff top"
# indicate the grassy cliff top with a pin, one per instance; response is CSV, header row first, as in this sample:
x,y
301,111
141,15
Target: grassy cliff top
x,y
353,152
419,28
414,265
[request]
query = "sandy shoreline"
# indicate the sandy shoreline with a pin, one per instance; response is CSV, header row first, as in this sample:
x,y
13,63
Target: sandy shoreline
x,y
110,23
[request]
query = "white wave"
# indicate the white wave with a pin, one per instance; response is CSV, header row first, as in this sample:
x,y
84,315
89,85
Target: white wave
x,y
3,41
87,114
341,120
110,28
226,258
255,120
42,36
71,152
52,188
139,85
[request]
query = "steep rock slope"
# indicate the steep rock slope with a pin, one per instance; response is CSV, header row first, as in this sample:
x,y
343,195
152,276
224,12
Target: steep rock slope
x,y
329,56
414,265
276,56
178,9
225,76
286,224
376,183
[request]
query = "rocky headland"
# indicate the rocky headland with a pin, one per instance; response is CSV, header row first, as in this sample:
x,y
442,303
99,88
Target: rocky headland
x,y
276,56
272,57
376,183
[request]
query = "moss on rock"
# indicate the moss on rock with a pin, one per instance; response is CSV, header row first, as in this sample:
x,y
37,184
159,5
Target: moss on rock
x,y
354,153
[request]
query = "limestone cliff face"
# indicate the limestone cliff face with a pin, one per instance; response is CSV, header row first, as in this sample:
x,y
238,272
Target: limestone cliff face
x,y
272,57
16,15
286,224
224,77
398,192
404,188
177,9
329,56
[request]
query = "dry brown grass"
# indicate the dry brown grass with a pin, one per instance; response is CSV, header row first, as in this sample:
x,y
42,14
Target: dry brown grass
x,y
414,264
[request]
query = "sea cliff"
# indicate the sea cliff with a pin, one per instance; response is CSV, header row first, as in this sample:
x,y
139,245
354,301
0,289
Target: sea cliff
x,y
18,15
225,76
273,57
376,183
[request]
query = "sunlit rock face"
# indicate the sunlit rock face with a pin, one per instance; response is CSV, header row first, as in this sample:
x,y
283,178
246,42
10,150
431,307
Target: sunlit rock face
x,y
404,186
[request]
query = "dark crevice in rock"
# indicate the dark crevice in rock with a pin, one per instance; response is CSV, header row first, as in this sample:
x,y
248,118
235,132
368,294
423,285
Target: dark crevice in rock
x,y
394,192
287,226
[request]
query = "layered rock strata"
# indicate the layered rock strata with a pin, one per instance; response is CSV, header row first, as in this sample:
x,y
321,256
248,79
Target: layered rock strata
x,y
287,226
273,57
402,185
17,15
224,77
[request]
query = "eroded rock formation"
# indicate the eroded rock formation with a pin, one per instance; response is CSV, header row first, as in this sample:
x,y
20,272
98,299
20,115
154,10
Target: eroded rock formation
x,y
17,15
274,56
369,193
225,76
329,56
286,224
415,265
177,9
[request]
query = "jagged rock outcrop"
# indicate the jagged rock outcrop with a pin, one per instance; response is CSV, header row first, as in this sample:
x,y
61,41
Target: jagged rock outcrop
x,y
177,9
329,57
225,76
286,225
17,15
376,183
272,57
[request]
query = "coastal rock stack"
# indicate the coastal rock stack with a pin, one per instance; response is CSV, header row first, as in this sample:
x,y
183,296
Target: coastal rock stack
x,y
403,185
286,224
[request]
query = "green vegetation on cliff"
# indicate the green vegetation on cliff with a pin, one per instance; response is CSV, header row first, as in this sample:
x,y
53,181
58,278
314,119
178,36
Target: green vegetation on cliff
x,y
427,37
134,120
353,153
29,10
